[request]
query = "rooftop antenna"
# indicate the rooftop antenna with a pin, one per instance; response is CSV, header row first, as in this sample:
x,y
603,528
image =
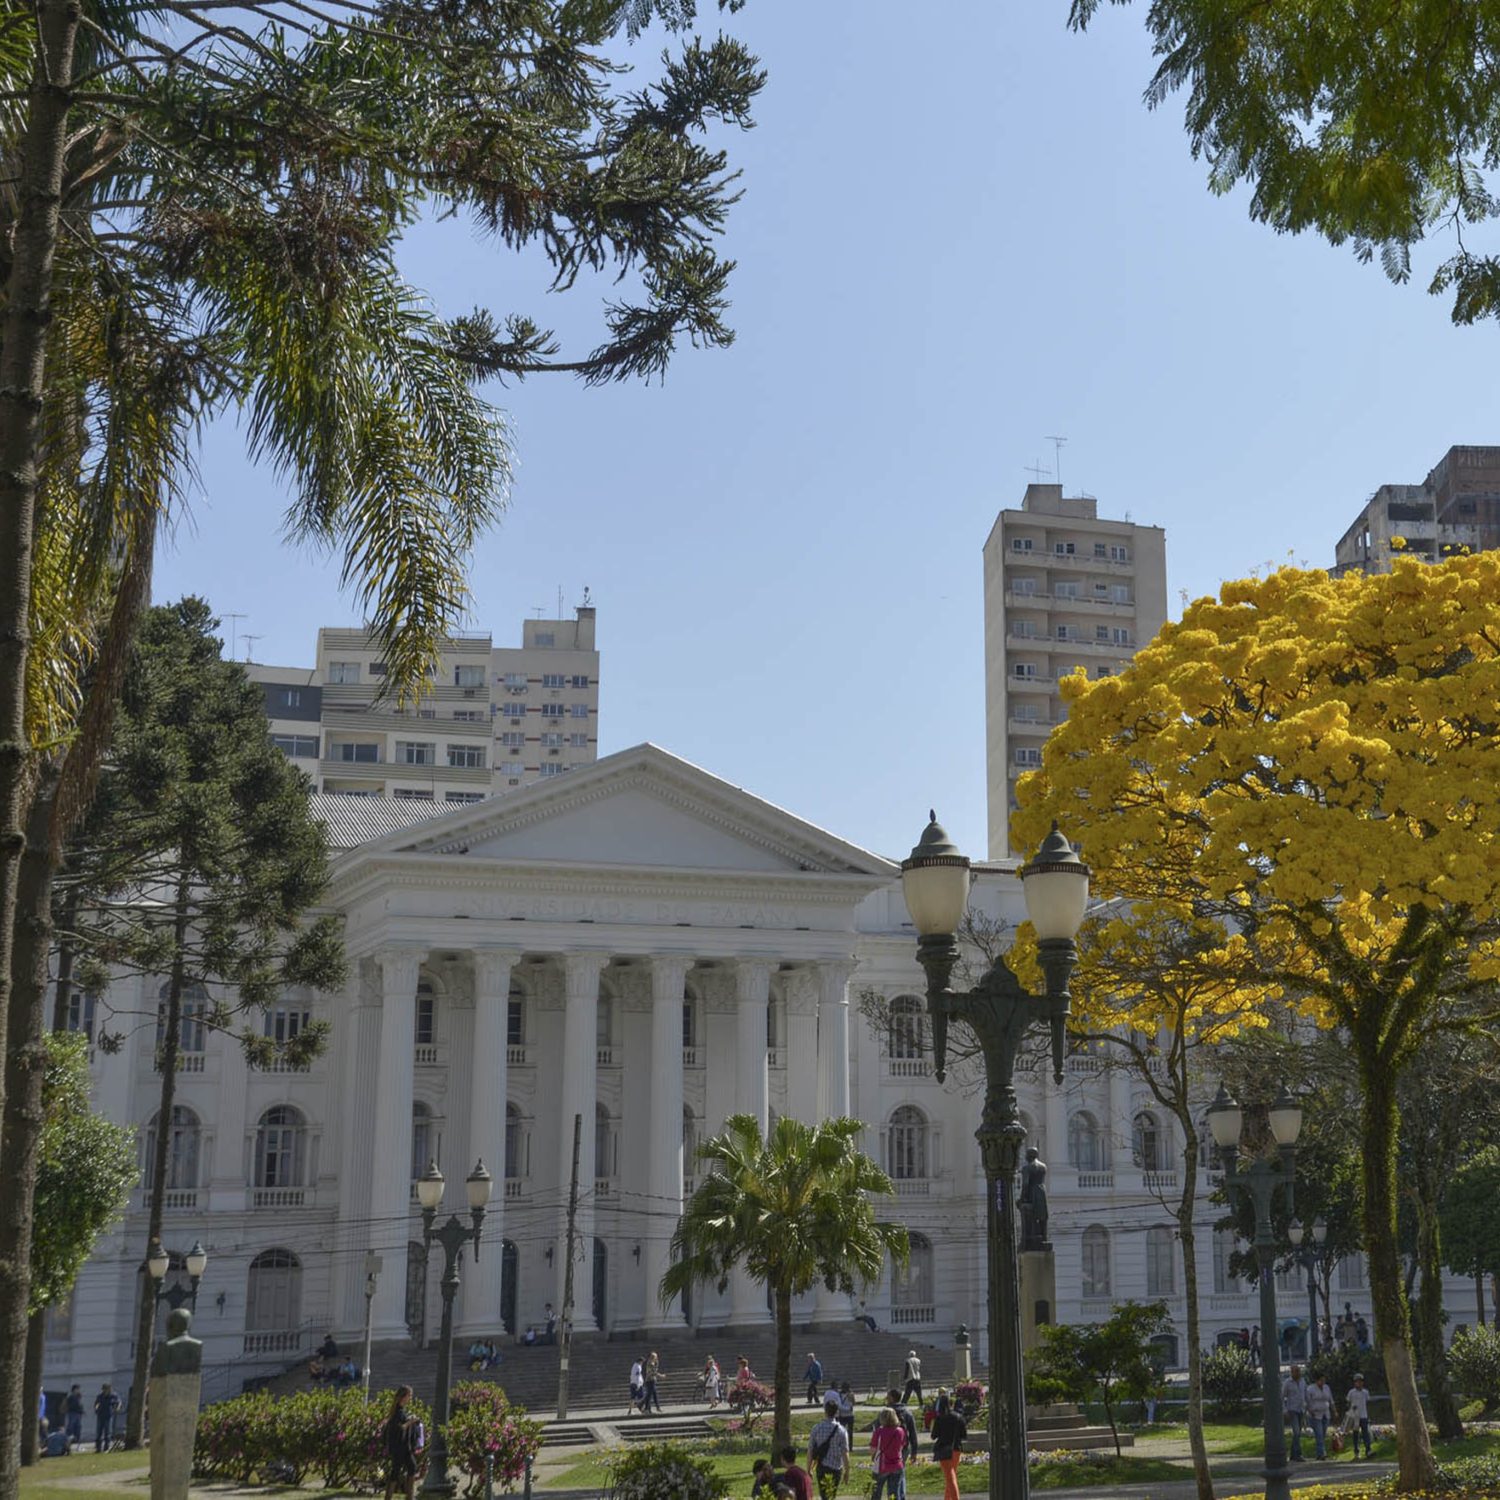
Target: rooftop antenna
x,y
250,641
559,601
1057,444
233,643
1036,470
539,610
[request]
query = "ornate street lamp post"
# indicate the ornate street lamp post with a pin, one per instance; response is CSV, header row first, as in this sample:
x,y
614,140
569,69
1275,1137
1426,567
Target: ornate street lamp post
x,y
452,1235
1258,1183
159,1262
935,882
1309,1258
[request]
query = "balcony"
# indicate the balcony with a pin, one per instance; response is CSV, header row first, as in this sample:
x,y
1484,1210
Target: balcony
x,y
1158,1181
604,1187
604,1057
917,1315
1079,562
515,1187
776,1057
689,1186
173,1200
517,1057
1091,602
912,1187
427,1055
278,1341
692,1058
1095,1181
1080,1063
278,1197
1032,726
187,1062
908,1067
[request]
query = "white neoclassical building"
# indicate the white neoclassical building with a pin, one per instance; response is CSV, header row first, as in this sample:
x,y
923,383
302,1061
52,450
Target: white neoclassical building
x,y
645,949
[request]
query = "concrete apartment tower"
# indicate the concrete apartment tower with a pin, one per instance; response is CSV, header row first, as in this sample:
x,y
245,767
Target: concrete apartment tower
x,y
1063,588
1457,506
495,718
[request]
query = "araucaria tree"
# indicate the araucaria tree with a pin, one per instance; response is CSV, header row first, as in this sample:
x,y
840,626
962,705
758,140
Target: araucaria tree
x,y
228,860
1310,764
793,1209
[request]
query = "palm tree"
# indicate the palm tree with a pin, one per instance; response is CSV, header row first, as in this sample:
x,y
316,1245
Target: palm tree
x,y
791,1208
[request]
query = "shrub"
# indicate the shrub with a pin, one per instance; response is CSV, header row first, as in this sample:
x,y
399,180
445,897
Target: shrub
x,y
656,1471
1230,1382
483,1422
1479,1475
1474,1364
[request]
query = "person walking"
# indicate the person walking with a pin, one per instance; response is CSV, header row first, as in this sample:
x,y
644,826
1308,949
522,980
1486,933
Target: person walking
x,y
73,1416
1319,1410
813,1375
909,1427
106,1404
637,1386
913,1378
1294,1404
400,1438
798,1480
888,1444
1357,1414
828,1449
948,1434
653,1374
711,1381
846,1410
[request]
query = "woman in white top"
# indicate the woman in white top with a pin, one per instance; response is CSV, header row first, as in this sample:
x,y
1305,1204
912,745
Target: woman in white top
x,y
711,1380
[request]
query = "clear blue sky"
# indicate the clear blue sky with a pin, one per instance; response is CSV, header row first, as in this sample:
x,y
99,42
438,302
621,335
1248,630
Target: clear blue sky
x,y
961,231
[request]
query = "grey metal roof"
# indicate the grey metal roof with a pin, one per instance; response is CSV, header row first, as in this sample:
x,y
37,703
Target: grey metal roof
x,y
357,820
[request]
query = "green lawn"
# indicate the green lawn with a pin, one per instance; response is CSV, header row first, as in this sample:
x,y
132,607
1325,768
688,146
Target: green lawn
x,y
40,1481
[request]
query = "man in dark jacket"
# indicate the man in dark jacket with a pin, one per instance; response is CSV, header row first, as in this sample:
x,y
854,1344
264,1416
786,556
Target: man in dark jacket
x,y
813,1375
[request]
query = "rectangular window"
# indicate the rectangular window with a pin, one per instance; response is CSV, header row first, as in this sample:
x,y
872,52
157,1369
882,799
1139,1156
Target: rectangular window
x,y
1119,593
513,711
469,715
552,710
366,754
550,768
552,741
513,739
1100,550
1119,554
578,682
515,1023
466,757
426,1006
377,669
552,679
1064,549
1067,590
343,671
1028,755
427,713
468,677
1025,712
1101,632
1062,633
580,710
1020,544
1161,1264
304,746
1120,636
1101,590
414,753
1224,1283
579,741
1024,630
290,697
1024,669
511,768
411,794
463,796
1023,586
515,679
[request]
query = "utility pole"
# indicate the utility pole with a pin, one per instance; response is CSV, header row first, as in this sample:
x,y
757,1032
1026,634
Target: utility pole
x,y
372,1271
567,1307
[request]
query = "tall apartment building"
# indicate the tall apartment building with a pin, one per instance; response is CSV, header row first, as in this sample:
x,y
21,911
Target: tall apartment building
x,y
1063,588
494,718
1457,506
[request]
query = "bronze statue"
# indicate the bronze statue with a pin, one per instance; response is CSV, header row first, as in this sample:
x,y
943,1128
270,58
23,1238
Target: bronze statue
x,y
179,1353
1033,1201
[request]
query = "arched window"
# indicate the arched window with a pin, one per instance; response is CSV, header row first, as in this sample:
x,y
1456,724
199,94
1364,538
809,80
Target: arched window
x,y
1085,1149
184,1144
190,1029
906,1032
1161,1263
281,1148
1146,1142
273,1297
604,1141
906,1144
424,1139
912,1288
1096,1261
515,1144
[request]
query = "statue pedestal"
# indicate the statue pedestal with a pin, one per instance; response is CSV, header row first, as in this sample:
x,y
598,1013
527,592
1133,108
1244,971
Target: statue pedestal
x,y
176,1383
963,1369
1038,1294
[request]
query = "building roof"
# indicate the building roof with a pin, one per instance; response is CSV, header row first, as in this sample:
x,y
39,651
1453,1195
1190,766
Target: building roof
x,y
356,820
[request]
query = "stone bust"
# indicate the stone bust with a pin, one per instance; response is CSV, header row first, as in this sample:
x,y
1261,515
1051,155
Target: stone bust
x,y
179,1353
1033,1201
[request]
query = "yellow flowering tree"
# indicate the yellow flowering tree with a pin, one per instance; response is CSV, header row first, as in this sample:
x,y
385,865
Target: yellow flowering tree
x,y
1310,764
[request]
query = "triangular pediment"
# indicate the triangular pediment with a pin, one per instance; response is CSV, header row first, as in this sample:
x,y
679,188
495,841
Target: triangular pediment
x,y
641,808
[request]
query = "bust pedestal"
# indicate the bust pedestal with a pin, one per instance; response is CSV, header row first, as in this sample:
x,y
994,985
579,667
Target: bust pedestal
x,y
176,1380
1038,1294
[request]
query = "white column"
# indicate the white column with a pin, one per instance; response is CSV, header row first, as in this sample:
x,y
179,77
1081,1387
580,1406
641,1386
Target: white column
x,y
1055,1150
752,1096
1119,1126
487,1099
356,1054
834,1098
664,1161
579,1093
390,1186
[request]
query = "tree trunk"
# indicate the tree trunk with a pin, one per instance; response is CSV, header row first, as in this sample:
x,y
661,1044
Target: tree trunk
x,y
1479,1295
781,1434
27,295
1189,1241
1378,1120
166,1060
25,1074
1430,1323
62,1003
31,1394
